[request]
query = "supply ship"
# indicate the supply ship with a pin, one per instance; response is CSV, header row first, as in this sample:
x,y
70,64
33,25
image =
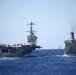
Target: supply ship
x,y
70,46
20,49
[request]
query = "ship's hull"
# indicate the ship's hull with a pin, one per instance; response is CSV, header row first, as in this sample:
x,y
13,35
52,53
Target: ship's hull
x,y
16,51
70,48
70,53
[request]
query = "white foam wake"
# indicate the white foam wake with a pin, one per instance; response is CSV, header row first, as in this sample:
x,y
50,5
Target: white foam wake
x,y
11,58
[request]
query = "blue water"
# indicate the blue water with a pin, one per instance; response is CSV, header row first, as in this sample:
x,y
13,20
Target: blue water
x,y
50,63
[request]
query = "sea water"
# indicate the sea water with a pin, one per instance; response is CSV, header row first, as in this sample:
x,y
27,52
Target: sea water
x,y
44,62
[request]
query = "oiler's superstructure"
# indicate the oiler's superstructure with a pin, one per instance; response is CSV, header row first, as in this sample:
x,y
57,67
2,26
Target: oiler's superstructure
x,y
70,46
21,49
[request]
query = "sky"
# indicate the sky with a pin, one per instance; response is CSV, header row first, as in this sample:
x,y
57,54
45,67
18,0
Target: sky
x,y
54,20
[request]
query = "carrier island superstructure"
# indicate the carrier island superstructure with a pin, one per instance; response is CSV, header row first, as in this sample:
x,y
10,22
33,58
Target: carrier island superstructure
x,y
20,49
70,46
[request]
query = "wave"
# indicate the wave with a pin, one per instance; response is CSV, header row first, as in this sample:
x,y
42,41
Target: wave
x,y
9,58
68,56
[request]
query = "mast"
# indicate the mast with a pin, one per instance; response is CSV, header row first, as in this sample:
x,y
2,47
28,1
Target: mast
x,y
31,38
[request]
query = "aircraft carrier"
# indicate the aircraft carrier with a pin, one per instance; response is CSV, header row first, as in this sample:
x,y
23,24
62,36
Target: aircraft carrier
x,y
70,46
20,49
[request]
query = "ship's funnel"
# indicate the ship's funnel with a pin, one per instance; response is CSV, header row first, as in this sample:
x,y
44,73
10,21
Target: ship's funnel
x,y
72,36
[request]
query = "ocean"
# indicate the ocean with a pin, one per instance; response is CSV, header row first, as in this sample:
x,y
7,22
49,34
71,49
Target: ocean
x,y
43,62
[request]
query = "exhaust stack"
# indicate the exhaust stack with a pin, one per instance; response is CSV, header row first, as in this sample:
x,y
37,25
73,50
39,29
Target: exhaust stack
x,y
72,36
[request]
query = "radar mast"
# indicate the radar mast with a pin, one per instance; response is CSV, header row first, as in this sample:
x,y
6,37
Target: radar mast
x,y
31,38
